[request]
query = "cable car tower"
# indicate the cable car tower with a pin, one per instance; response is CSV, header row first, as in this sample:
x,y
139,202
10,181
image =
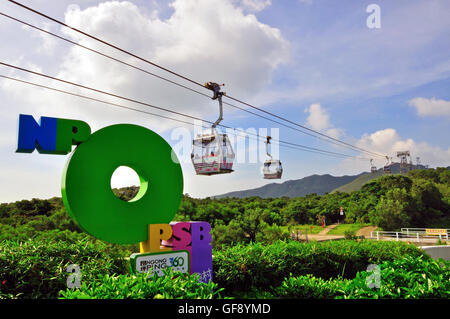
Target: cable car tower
x,y
373,168
211,151
271,169
405,166
387,166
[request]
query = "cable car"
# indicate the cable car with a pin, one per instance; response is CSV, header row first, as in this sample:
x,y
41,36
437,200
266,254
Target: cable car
x,y
373,168
212,152
271,169
387,167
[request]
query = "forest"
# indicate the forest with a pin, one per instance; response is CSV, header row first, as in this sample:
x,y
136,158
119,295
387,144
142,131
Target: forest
x,y
251,245
419,199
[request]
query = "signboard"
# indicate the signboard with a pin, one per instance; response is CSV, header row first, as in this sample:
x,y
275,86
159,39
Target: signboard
x,y
157,262
435,231
90,202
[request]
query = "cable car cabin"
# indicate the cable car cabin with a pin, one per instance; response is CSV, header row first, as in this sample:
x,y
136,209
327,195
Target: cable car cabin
x,y
212,154
373,168
272,169
387,169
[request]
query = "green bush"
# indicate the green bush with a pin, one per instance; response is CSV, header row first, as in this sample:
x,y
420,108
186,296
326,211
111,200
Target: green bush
x,y
408,277
227,234
170,286
271,234
404,278
308,287
242,267
36,268
348,234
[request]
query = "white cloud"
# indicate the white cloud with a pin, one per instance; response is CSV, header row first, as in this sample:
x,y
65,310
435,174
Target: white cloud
x,y
319,120
254,5
206,40
47,44
430,107
389,142
334,132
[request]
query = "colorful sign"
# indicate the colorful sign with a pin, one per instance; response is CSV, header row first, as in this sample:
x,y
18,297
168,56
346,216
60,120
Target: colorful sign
x,y
435,231
156,262
90,201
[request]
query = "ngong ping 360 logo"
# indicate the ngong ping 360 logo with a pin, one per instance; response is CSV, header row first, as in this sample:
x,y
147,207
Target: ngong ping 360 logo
x,y
91,203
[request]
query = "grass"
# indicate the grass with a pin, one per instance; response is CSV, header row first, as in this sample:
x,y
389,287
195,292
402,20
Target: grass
x,y
343,228
311,229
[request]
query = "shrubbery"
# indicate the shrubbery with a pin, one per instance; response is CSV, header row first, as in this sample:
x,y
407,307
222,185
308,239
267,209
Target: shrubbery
x,y
37,268
171,286
307,287
420,199
38,240
406,277
243,267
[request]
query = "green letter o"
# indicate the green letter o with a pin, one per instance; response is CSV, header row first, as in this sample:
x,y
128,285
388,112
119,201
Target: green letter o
x,y
86,188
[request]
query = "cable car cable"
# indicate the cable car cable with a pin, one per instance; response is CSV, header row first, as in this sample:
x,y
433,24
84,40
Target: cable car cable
x,y
146,112
185,78
104,42
304,127
162,78
280,142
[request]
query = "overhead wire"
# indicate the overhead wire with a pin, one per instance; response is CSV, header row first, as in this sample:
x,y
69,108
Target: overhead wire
x,y
104,42
281,143
157,76
194,82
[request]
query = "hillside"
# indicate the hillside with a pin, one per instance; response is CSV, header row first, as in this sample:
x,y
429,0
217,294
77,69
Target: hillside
x,y
319,184
357,183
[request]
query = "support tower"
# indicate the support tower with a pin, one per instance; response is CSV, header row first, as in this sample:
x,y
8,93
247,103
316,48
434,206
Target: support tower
x,y
405,165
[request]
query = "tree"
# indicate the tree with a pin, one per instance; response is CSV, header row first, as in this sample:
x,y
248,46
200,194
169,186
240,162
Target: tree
x,y
393,211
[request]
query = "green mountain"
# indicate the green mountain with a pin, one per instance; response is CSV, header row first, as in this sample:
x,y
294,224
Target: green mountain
x,y
357,183
319,184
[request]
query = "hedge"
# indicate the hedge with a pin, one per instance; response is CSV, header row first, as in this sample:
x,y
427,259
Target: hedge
x,y
245,267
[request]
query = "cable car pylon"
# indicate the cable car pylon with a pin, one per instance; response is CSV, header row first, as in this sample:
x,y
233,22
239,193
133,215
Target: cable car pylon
x,y
387,166
373,168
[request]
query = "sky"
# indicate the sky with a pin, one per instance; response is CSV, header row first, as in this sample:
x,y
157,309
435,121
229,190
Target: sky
x,y
376,79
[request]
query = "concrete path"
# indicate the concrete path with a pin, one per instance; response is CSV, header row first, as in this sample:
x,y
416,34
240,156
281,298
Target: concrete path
x,y
365,231
327,229
324,237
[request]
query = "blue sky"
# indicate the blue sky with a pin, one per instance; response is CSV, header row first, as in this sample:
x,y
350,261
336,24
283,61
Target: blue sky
x,y
313,62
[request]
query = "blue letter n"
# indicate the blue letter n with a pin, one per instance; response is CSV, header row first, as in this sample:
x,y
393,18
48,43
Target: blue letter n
x,y
36,136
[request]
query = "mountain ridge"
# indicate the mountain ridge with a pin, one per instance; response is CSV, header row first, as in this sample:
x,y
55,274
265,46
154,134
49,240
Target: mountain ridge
x,y
319,184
